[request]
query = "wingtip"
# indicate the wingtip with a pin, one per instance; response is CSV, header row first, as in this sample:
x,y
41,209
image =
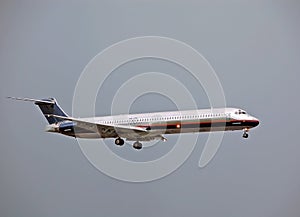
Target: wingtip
x,y
12,97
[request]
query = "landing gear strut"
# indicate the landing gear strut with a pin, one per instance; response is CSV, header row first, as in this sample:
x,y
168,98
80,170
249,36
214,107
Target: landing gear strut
x,y
119,141
137,145
245,134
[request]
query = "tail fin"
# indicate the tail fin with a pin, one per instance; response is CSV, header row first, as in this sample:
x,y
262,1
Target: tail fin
x,y
47,106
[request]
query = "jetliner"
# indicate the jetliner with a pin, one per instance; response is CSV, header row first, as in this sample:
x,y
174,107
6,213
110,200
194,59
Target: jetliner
x,y
143,127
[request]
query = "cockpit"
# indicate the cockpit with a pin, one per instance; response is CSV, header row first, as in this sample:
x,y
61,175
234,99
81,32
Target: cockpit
x,y
239,112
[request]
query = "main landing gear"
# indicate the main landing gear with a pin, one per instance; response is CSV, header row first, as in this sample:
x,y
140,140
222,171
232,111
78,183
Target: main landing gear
x,y
119,141
245,134
137,145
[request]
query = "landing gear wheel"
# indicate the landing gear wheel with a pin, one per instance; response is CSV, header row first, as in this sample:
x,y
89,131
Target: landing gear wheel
x,y
137,145
119,141
245,135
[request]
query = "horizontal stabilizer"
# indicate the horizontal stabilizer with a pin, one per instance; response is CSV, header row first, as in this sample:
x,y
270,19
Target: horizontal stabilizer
x,y
39,101
47,106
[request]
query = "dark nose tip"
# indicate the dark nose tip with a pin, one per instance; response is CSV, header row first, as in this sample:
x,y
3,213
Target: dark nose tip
x,y
256,122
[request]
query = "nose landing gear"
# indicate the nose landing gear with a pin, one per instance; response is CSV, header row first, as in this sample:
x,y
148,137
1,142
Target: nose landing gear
x,y
245,134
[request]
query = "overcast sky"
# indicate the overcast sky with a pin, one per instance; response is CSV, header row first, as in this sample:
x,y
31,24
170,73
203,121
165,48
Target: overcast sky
x,y
253,47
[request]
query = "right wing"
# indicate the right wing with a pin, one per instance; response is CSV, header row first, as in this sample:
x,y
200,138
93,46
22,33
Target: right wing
x,y
107,130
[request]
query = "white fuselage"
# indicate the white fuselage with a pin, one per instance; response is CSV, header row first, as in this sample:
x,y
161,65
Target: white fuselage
x,y
173,122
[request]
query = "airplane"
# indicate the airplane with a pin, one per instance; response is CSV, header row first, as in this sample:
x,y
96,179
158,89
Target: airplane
x,y
143,126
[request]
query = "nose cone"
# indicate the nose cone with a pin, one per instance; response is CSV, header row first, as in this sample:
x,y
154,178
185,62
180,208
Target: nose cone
x,y
255,122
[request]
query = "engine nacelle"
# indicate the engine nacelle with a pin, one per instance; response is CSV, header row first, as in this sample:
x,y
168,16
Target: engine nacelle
x,y
66,127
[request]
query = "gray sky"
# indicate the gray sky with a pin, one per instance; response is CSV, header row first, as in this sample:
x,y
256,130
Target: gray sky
x,y
253,47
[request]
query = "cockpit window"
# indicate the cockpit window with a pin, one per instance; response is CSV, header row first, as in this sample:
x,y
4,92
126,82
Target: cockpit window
x,y
240,112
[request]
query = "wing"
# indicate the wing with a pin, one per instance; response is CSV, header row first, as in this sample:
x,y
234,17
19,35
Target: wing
x,y
107,130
